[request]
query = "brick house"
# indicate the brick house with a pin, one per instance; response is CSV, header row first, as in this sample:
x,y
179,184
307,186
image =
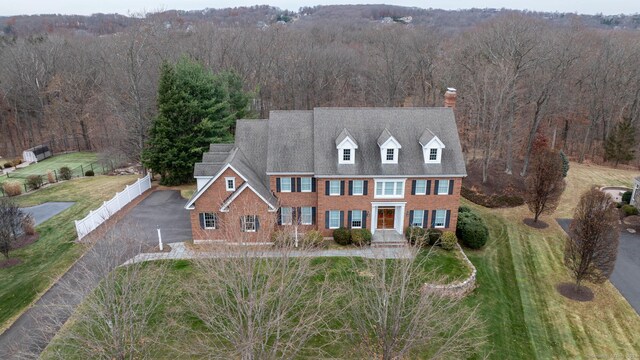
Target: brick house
x,y
383,169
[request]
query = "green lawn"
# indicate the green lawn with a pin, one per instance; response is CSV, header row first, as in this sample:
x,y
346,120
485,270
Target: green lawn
x,y
78,162
55,251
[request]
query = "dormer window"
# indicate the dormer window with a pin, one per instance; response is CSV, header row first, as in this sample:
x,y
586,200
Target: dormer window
x,y
433,154
389,148
431,147
346,146
391,154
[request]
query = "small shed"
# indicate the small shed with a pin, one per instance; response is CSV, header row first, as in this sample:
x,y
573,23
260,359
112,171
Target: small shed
x,y
37,153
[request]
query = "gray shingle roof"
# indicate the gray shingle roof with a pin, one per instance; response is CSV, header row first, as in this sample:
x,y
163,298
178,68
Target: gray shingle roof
x,y
384,136
343,135
291,142
427,135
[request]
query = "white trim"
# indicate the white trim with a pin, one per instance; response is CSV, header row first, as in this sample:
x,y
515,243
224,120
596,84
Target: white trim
x,y
339,188
351,224
337,227
352,158
290,184
411,222
310,184
290,215
225,205
437,190
399,212
195,196
395,145
444,222
394,196
434,143
425,187
310,215
353,187
290,173
350,144
226,183
437,176
436,140
204,220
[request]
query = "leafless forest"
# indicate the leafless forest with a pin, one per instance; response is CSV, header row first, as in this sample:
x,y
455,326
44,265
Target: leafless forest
x,y
571,78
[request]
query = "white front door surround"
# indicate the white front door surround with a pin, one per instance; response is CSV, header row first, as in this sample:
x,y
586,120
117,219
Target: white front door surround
x,y
399,214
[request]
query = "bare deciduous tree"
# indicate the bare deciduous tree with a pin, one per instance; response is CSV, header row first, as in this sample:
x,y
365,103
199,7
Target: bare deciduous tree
x,y
544,183
11,219
592,245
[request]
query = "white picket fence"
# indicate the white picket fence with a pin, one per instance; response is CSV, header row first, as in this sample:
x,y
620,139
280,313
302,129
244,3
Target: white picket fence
x,y
109,208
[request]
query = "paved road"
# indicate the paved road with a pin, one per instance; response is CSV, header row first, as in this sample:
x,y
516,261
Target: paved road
x,y
30,334
46,211
625,275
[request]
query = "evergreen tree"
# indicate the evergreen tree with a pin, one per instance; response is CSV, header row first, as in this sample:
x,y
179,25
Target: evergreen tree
x,y
565,164
194,110
621,143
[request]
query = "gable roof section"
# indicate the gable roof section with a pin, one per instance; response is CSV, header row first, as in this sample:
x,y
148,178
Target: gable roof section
x,y
428,138
345,136
291,140
229,200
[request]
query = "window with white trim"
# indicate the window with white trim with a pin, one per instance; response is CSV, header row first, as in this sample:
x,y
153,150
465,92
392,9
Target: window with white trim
x,y
443,187
285,215
209,220
249,223
433,154
356,219
389,189
421,187
305,184
306,216
285,184
346,155
334,187
391,154
440,218
231,183
334,219
418,218
358,187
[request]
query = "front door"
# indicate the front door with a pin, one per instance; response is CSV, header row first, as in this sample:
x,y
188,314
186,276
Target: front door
x,y
386,218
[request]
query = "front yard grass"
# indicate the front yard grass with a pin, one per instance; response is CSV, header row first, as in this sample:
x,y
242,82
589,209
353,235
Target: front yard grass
x,y
55,251
71,160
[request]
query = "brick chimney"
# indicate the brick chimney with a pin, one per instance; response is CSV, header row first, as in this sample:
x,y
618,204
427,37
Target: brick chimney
x,y
450,98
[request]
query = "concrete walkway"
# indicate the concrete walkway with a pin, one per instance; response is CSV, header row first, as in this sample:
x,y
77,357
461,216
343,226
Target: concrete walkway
x,y
180,251
46,211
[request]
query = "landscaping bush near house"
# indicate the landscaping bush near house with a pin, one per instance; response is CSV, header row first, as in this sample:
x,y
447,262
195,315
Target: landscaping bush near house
x,y
51,178
342,236
7,165
414,235
472,230
65,173
282,239
629,210
463,209
433,235
16,162
312,239
361,237
448,240
626,197
493,201
34,182
89,173
12,188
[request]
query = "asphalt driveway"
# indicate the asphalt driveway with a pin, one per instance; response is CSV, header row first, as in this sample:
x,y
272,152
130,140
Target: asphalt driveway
x,y
626,275
46,211
32,331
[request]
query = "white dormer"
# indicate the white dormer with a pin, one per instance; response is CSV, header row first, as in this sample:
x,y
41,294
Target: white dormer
x,y
346,146
389,147
432,147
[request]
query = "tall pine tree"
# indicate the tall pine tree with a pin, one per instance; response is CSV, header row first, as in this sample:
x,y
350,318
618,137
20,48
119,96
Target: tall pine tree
x,y
621,143
194,110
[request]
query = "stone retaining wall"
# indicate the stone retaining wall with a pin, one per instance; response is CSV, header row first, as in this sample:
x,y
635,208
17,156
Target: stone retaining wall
x,y
457,289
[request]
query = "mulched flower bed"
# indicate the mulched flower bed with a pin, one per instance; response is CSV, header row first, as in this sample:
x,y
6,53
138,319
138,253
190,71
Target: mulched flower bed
x,y
7,263
536,225
569,290
25,240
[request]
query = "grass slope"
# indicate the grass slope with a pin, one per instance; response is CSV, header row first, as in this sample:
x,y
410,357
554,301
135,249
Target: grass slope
x,y
71,160
55,251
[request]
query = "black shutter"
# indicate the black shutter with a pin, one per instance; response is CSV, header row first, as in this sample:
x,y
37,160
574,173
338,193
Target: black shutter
x,y
413,187
313,184
446,223
279,215
293,184
350,187
364,187
326,187
435,188
326,219
428,187
313,215
257,223
425,218
341,187
349,220
411,215
433,218
277,184
201,220
450,187
299,184
341,218
364,219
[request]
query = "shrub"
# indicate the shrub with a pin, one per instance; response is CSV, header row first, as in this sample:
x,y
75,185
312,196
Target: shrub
x,y
312,239
342,236
629,210
34,182
448,240
7,165
414,235
12,188
433,235
29,225
471,230
463,209
65,173
16,162
282,239
361,237
89,173
626,197
51,178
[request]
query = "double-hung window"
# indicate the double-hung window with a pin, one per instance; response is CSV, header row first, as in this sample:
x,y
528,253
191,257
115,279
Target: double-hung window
x,y
443,187
418,218
346,155
334,187
306,216
440,218
285,184
389,188
421,187
305,184
286,215
356,219
391,154
249,223
433,154
358,187
231,183
334,219
209,220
